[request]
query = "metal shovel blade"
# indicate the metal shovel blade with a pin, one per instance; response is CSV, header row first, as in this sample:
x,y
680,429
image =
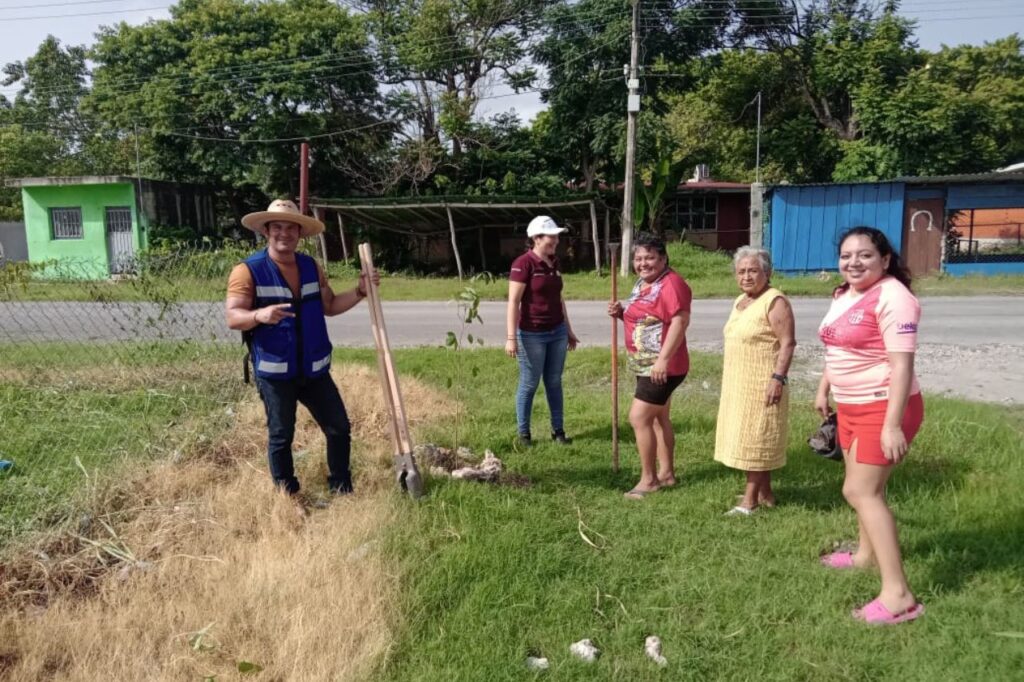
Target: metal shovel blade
x,y
408,476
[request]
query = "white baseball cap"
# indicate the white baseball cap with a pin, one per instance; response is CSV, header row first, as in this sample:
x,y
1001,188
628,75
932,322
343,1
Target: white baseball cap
x,y
543,224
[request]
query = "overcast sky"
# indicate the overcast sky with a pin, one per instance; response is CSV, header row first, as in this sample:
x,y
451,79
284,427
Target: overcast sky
x,y
25,23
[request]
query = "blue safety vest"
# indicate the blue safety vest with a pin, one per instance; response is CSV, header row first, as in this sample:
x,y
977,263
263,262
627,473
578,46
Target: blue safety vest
x,y
296,346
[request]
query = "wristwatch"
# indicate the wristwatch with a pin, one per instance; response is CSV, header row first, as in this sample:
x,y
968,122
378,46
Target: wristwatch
x,y
781,378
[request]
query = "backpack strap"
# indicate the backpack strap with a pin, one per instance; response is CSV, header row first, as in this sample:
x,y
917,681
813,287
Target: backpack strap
x,y
247,335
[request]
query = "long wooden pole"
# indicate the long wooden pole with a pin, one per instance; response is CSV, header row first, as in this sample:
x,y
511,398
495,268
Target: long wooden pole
x,y
612,248
405,465
375,326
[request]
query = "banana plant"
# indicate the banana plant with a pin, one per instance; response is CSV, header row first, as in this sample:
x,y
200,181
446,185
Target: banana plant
x,y
650,202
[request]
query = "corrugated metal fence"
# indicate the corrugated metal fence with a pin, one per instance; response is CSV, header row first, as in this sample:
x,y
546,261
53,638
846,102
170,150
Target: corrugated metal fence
x,y
806,221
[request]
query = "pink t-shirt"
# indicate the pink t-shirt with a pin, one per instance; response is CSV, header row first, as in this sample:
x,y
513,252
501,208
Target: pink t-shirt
x,y
859,332
646,316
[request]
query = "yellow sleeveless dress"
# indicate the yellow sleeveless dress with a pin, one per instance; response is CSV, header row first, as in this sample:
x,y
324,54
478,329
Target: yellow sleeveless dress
x,y
751,436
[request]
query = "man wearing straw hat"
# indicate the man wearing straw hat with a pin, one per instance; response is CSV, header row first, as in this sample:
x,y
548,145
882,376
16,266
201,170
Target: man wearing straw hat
x,y
278,298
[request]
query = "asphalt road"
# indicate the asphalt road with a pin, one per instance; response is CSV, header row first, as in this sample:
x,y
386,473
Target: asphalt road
x,y
970,346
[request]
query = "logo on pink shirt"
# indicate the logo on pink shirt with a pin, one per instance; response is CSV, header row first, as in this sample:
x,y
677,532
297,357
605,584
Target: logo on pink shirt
x,y
906,328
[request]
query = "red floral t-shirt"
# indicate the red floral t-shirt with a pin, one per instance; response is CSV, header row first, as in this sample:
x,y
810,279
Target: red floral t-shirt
x,y
646,317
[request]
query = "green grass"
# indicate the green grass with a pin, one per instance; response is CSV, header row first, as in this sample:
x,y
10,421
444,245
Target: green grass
x,y
71,411
708,272
490,575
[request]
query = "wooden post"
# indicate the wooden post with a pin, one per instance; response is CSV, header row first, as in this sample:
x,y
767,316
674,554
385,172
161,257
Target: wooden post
x,y
612,248
597,242
341,231
318,213
455,246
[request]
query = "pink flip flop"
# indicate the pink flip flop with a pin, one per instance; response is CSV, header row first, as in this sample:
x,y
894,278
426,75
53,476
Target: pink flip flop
x,y
875,613
838,560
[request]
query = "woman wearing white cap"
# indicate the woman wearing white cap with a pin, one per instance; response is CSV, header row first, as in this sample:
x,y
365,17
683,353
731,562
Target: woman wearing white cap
x,y
538,329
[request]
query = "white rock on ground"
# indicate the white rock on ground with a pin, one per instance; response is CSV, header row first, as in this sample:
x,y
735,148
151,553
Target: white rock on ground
x,y
585,650
535,663
487,470
652,647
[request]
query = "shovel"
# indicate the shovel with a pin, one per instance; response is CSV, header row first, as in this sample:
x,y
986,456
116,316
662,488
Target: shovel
x,y
406,473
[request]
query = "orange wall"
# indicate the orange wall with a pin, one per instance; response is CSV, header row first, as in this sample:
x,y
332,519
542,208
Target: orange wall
x,y
991,223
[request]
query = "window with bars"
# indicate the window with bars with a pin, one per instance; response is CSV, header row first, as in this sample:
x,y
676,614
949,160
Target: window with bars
x,y
697,212
66,223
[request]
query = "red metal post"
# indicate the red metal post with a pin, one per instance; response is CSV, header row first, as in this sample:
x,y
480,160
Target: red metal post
x,y
304,178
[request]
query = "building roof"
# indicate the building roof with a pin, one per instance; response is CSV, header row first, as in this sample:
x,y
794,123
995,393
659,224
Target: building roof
x,y
714,185
430,214
72,180
63,181
998,177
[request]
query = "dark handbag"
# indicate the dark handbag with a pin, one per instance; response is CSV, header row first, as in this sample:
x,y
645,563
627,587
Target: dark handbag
x,y
825,442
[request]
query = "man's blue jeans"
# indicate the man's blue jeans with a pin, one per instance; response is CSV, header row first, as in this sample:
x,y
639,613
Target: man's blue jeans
x,y
321,398
541,355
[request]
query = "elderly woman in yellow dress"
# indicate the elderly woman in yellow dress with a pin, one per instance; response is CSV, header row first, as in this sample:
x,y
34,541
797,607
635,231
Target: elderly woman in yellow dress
x,y
752,414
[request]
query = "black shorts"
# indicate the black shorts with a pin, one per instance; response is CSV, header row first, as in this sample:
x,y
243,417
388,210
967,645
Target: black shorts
x,y
656,394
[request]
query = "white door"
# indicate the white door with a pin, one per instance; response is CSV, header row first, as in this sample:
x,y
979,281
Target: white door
x,y
120,251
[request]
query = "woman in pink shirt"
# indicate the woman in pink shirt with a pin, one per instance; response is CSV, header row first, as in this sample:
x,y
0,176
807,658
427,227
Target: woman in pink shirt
x,y
655,319
870,337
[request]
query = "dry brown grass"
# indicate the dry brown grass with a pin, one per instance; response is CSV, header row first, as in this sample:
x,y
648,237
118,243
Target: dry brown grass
x,y
188,568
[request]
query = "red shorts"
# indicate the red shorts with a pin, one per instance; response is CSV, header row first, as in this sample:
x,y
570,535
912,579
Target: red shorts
x,y
863,423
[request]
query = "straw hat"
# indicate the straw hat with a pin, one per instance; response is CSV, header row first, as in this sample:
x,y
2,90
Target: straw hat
x,y
282,210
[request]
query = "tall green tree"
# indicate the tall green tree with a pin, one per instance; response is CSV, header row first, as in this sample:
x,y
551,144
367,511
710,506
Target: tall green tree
x,y
43,129
205,88
443,53
586,46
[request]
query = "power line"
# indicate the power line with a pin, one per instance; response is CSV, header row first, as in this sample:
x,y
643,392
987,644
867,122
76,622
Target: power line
x,y
37,5
609,38
350,58
84,14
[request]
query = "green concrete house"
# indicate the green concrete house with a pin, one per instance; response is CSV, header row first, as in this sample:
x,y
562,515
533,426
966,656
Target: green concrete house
x,y
94,226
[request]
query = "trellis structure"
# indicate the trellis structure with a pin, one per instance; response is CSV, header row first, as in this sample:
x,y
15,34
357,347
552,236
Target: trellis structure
x,y
451,215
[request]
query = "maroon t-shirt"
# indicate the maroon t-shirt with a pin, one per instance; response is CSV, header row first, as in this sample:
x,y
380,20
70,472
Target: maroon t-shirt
x,y
541,308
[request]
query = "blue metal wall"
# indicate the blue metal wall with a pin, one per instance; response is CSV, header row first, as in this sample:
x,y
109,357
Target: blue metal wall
x,y
806,222
960,197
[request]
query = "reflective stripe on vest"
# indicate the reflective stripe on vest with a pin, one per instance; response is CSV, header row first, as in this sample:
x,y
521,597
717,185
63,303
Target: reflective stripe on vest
x,y
273,292
272,367
321,363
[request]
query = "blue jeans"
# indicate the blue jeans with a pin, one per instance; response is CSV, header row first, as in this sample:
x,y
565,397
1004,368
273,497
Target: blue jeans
x,y
541,355
321,398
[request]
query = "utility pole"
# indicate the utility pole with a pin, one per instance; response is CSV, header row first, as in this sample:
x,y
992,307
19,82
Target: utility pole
x,y
632,109
757,162
757,191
